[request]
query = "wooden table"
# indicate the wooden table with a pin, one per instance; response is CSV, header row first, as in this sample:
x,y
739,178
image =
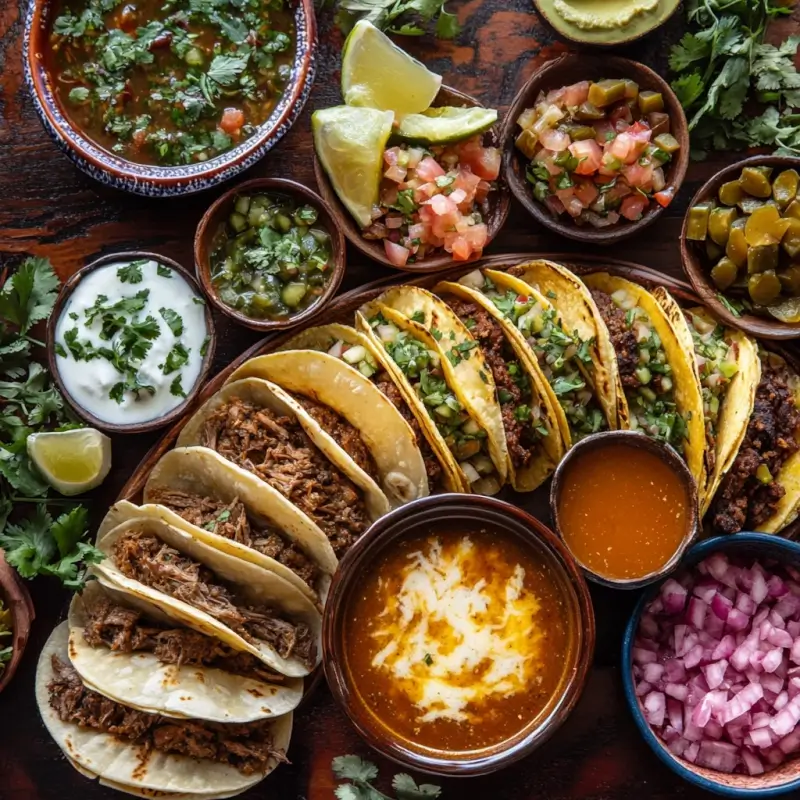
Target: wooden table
x,y
48,208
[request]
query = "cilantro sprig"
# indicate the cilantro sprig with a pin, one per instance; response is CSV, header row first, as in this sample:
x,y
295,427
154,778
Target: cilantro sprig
x,y
401,17
361,774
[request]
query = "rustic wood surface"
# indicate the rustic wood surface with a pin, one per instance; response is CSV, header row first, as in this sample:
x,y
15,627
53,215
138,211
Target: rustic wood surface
x,y
48,208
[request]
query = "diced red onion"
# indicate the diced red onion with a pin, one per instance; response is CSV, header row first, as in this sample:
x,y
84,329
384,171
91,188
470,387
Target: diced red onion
x,y
652,672
745,604
679,691
752,762
724,649
721,756
772,660
655,706
737,620
759,591
696,612
721,606
673,595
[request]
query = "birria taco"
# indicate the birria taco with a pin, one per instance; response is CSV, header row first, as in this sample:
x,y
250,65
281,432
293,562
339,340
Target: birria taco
x,y
134,654
249,608
257,426
144,753
348,407
728,371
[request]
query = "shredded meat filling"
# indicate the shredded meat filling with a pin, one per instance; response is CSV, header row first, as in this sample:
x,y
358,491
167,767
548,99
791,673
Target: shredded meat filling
x,y
126,630
746,499
278,450
246,746
622,338
145,558
231,521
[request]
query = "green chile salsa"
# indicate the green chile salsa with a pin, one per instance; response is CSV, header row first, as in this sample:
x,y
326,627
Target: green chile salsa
x,y
270,259
170,82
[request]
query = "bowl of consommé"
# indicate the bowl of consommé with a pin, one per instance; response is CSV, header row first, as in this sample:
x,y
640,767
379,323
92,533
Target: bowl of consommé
x,y
626,507
458,635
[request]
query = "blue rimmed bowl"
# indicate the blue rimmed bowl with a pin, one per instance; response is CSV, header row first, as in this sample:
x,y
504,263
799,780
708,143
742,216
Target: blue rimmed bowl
x,y
153,180
784,779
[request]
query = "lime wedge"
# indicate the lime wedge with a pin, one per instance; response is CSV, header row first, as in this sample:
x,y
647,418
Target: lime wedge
x,y
446,124
71,461
350,144
376,73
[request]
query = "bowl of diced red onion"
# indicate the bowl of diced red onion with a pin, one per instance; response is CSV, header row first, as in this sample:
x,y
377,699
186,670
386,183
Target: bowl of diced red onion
x,y
712,671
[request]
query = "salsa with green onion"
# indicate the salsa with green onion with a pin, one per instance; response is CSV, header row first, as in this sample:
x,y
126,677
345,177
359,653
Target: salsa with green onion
x,y
170,82
271,259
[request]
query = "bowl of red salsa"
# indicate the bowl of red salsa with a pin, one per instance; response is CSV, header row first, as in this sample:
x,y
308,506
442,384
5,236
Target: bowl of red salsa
x,y
167,98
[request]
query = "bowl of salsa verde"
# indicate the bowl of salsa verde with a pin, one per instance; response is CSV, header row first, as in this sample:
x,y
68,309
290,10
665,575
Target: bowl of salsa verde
x,y
168,97
269,254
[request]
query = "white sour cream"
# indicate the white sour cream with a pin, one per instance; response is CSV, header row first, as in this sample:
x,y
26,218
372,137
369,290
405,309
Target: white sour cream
x,y
96,383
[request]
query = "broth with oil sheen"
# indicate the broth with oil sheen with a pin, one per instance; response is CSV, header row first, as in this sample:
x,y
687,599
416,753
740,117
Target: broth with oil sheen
x,y
623,512
457,639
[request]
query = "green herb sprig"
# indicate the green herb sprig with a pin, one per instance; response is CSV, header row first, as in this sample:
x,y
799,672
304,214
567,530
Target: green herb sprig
x,y
400,17
361,774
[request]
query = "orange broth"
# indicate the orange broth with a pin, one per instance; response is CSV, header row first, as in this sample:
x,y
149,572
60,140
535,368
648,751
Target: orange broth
x,y
443,675
623,512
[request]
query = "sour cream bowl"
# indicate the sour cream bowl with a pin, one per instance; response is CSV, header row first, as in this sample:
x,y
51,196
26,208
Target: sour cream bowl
x,y
130,341
467,674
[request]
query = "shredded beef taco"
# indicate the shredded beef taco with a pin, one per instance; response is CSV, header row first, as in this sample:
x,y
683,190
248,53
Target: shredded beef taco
x,y
254,424
357,350
761,489
135,654
728,371
247,607
656,377
347,406
143,752
194,488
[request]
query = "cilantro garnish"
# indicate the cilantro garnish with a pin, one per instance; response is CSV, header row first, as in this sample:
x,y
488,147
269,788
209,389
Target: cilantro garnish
x,y
173,319
164,272
361,774
177,357
131,273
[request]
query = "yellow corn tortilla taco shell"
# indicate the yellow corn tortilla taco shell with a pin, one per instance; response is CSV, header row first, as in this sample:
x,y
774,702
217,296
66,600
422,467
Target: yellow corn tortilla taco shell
x,y
200,470
254,584
128,765
142,681
323,337
335,384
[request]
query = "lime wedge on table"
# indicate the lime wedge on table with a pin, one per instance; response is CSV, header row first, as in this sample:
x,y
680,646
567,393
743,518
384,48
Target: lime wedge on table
x,y
350,144
376,73
71,461
446,124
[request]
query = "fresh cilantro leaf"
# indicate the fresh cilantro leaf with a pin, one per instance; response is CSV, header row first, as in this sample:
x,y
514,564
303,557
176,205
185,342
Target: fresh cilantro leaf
x,y
131,273
29,295
447,26
80,94
406,788
354,768
346,791
198,301
204,345
225,69
177,357
164,272
28,545
69,529
418,316
173,319
176,387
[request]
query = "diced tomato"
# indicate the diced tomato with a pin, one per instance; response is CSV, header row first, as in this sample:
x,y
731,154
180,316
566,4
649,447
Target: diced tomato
x,y
639,176
622,148
589,156
415,155
483,161
477,236
621,113
232,121
572,205
664,198
633,206
556,96
460,248
586,192
640,131
555,140
391,156
554,204
396,173
441,205
604,131
425,192
576,94
428,169
397,254
482,192
620,190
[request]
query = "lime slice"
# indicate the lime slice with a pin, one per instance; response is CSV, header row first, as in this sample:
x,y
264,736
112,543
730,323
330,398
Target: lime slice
x,y
446,124
350,144
376,73
71,461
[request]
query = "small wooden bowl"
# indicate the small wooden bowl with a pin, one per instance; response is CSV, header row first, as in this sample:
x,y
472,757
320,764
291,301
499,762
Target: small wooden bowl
x,y
219,212
454,512
499,201
631,439
70,286
15,597
698,268
564,71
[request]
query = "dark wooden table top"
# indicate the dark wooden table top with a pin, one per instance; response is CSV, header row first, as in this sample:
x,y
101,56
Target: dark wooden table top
x,y
48,208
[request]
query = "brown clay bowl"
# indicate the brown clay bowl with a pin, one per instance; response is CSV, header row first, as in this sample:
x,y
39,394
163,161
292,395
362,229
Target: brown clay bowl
x,y
66,290
564,71
15,597
698,268
453,511
499,201
216,216
632,439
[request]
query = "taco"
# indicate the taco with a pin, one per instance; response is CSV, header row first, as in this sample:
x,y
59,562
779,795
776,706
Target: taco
x,y
332,391
195,489
141,752
246,607
144,659
761,489
657,385
257,426
560,356
357,350
728,371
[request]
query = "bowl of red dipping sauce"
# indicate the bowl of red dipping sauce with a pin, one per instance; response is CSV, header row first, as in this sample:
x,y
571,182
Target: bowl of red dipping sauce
x,y
626,507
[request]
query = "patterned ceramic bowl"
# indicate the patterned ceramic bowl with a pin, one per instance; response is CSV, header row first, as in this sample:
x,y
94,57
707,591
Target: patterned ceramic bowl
x,y
164,181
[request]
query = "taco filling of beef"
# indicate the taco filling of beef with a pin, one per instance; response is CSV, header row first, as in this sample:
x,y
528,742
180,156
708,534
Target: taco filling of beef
x,y
278,450
560,354
246,746
749,493
643,368
231,521
464,436
145,558
126,630
522,414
